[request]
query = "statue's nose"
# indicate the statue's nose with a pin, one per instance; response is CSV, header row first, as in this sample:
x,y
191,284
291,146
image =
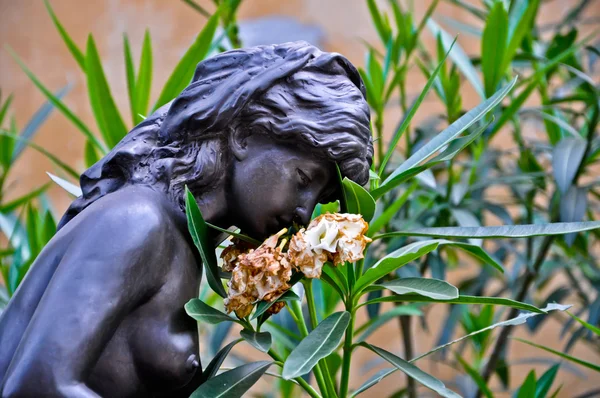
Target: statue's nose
x,y
302,215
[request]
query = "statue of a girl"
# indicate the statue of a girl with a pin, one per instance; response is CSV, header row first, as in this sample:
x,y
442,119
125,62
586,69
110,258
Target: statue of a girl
x,y
255,137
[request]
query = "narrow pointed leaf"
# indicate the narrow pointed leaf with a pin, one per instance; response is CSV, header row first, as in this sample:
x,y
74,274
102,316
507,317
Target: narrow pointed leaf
x,y
73,49
521,16
586,325
33,125
90,156
462,299
184,71
527,389
143,83
460,58
395,260
4,108
201,237
359,201
130,74
217,361
493,47
105,110
66,185
429,287
545,382
65,167
263,306
477,378
376,378
15,203
203,312
60,105
261,341
505,231
408,117
410,252
411,370
317,345
375,324
581,362
233,383
451,132
566,158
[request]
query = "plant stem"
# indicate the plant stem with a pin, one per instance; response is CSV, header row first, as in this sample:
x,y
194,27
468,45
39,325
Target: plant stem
x,y
310,391
530,275
347,350
322,364
405,325
296,308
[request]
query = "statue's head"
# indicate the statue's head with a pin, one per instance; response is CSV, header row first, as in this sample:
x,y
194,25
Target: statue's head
x,y
267,124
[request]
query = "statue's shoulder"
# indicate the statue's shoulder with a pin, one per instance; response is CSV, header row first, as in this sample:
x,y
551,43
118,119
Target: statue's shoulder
x,y
135,213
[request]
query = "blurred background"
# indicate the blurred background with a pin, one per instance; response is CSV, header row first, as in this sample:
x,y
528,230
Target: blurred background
x,y
342,26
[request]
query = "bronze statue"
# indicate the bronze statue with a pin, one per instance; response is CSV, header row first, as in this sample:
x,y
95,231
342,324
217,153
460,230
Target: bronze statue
x,y
255,137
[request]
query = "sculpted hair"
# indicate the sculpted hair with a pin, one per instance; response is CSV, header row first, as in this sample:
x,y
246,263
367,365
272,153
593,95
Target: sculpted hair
x,y
291,92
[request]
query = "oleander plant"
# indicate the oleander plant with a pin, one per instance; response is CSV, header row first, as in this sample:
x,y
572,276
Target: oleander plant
x,y
513,226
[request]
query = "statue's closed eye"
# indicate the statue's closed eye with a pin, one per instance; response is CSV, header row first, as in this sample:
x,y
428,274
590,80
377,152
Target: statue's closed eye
x,y
304,178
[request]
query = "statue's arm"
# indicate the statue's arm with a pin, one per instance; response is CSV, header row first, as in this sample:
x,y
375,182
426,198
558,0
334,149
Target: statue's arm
x,y
105,273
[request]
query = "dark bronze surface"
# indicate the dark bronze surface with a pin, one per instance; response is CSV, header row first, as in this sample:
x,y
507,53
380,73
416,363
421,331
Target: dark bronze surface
x,y
255,137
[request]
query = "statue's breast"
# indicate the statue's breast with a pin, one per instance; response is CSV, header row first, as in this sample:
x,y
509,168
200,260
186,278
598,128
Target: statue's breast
x,y
155,350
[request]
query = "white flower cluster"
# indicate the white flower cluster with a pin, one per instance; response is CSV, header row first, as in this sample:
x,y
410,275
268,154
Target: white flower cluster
x,y
263,273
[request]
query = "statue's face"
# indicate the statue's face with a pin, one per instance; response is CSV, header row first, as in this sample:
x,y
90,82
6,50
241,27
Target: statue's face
x,y
274,184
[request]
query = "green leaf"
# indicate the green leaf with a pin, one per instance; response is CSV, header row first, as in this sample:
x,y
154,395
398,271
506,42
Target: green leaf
x,y
263,306
411,370
260,341
382,29
90,156
522,15
505,231
4,108
443,138
493,47
143,84
376,378
581,362
375,324
44,152
242,237
359,201
106,113
417,298
393,261
233,383
391,210
527,389
586,325
203,312
184,71
130,74
13,204
408,117
460,58
317,345
429,287
60,105
36,121
201,237
481,384
66,185
410,252
454,146
545,382
216,362
73,49
566,158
